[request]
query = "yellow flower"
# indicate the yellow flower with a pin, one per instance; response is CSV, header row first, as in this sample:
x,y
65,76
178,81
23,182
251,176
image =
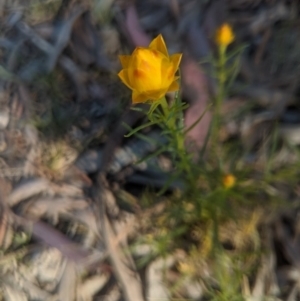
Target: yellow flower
x,y
224,35
229,180
150,72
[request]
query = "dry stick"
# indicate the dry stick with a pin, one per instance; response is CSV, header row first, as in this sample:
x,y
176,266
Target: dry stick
x,y
128,278
51,237
130,283
54,51
62,39
56,239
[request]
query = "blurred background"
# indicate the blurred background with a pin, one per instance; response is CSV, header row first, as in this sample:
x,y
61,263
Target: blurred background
x,y
80,220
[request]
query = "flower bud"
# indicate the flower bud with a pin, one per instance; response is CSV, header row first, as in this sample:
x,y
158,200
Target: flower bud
x,y
224,35
229,181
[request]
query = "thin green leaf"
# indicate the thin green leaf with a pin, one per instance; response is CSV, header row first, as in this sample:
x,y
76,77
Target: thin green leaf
x,y
153,107
147,139
158,152
197,121
138,109
236,51
167,184
133,131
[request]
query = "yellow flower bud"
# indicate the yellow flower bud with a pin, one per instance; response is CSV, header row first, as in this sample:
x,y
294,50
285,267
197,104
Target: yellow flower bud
x,y
224,35
150,72
229,180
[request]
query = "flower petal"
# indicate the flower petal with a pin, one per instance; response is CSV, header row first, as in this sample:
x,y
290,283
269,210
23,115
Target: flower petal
x,y
174,86
144,81
156,94
148,60
168,73
125,59
175,59
123,74
138,97
159,44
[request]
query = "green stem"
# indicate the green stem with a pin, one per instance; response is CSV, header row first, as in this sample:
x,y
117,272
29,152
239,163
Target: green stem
x,y
219,98
171,123
165,107
177,138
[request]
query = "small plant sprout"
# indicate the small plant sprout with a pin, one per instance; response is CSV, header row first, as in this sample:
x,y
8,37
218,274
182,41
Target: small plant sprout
x,y
205,201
